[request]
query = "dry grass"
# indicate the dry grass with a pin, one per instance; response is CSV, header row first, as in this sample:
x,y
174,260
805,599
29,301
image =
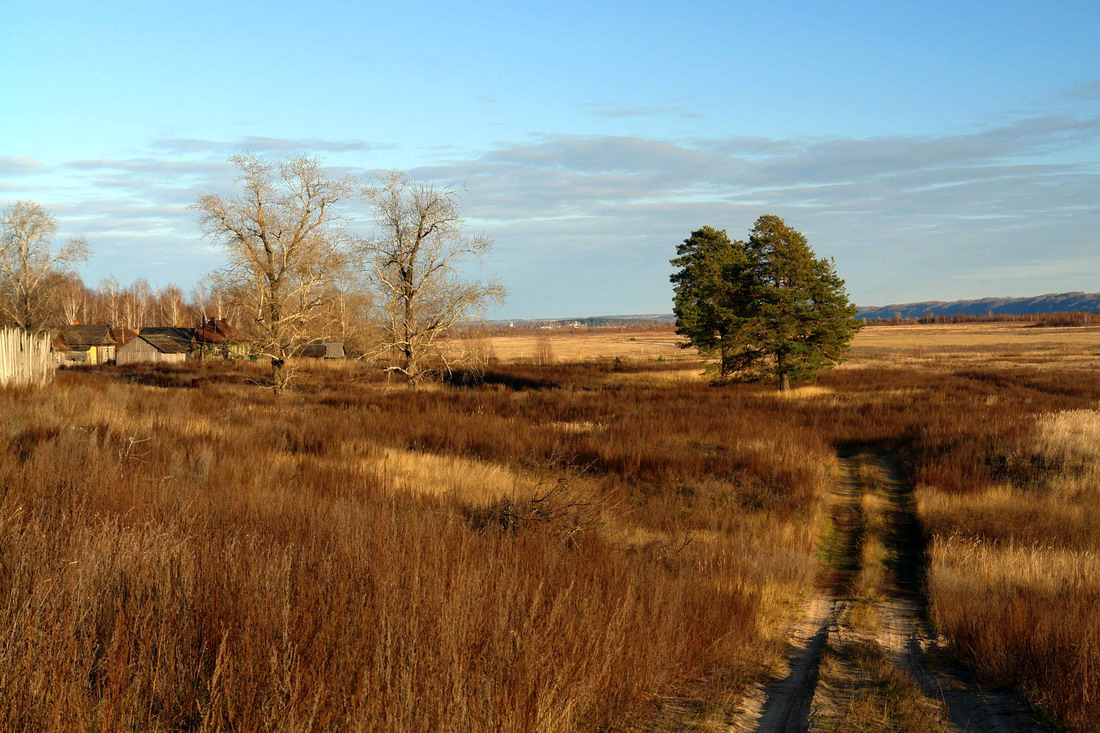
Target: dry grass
x,y
356,556
568,345
985,345
1023,617
871,694
463,479
1015,568
871,584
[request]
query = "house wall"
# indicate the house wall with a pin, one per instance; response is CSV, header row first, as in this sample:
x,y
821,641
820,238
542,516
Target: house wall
x,y
101,354
140,350
72,357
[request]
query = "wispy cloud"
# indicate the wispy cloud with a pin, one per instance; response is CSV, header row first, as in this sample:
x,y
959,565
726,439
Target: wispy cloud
x,y
908,217
1089,92
15,165
283,146
558,175
612,111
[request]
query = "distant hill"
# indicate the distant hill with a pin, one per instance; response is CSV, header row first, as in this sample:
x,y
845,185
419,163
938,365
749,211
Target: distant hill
x,y
1050,303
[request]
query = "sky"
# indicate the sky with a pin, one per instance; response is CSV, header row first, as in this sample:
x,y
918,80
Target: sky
x,y
935,150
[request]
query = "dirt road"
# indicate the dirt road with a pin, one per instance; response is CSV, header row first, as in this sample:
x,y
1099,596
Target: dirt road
x,y
863,657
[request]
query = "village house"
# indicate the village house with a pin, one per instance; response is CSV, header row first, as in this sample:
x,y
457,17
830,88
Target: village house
x,y
214,338
152,348
84,344
217,337
184,337
122,336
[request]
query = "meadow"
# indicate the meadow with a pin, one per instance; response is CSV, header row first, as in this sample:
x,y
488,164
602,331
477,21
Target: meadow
x,y
579,539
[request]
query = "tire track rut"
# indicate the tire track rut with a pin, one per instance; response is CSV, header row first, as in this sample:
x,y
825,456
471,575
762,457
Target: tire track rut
x,y
892,631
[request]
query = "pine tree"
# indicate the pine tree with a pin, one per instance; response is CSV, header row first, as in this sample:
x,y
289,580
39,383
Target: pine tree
x,y
767,308
709,301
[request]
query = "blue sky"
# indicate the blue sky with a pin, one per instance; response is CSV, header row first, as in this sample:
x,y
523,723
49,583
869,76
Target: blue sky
x,y
934,149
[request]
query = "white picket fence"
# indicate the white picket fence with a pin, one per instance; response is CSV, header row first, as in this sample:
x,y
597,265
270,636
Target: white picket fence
x,y
25,358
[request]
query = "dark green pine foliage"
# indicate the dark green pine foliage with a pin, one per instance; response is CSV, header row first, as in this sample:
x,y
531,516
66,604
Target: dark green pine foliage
x,y
807,317
767,308
710,297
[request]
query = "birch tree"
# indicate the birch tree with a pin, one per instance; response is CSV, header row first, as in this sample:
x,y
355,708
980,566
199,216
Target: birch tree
x,y
284,250
412,263
32,265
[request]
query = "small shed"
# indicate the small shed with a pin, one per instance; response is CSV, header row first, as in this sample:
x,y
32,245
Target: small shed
x,y
155,348
323,350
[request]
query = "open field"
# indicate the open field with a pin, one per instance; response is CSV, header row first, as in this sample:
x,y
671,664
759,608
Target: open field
x,y
588,344
926,346
987,344
578,545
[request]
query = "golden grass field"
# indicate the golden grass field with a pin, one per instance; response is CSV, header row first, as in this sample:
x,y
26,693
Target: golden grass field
x,y
590,344
587,537
1006,343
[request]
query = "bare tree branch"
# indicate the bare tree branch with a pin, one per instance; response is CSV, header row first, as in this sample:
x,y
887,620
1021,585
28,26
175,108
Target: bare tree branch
x,y
285,251
32,268
411,264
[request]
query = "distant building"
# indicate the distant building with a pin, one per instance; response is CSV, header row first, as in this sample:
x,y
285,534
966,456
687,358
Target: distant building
x,y
122,336
84,344
214,338
323,350
185,337
217,337
153,348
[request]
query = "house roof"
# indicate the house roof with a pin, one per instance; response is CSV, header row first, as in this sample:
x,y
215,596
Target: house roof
x,y
123,336
324,350
163,343
182,336
82,338
219,331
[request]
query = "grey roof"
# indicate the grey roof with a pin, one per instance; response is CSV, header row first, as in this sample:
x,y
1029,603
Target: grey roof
x,y
162,343
82,338
182,336
324,350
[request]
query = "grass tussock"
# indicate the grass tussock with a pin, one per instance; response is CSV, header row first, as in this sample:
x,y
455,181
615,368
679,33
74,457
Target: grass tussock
x,y
871,694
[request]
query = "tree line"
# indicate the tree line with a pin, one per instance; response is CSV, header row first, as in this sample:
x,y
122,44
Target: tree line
x,y
294,270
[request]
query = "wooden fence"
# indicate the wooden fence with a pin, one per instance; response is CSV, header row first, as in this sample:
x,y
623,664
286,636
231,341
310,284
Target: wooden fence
x,y
25,358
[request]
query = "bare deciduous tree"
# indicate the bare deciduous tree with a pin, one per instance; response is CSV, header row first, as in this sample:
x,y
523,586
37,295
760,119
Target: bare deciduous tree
x,y
283,250
111,300
74,300
171,307
412,265
32,266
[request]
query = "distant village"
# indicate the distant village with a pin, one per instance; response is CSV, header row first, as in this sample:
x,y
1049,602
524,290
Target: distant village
x,y
216,338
